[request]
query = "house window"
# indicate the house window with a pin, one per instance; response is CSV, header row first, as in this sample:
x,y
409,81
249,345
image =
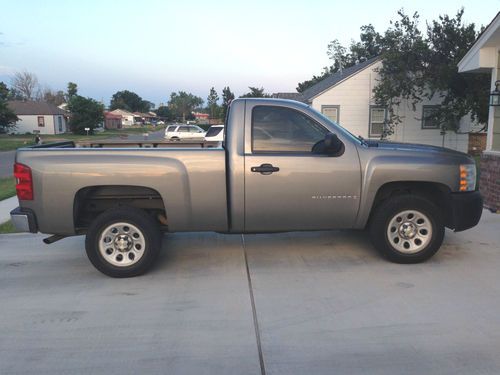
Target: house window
x,y
378,116
59,121
331,111
428,122
41,121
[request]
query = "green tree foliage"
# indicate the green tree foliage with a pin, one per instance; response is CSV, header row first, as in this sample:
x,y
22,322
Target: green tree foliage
x,y
212,100
227,98
85,113
182,104
164,112
418,66
255,92
367,47
129,101
7,117
54,97
72,90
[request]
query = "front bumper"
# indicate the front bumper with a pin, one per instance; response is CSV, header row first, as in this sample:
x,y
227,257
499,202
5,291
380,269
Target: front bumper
x,y
466,210
24,220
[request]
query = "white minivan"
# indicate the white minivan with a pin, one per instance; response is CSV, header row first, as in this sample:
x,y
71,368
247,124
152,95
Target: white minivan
x,y
181,132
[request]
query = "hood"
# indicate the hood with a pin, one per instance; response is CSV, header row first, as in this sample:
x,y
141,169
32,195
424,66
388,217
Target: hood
x,y
400,146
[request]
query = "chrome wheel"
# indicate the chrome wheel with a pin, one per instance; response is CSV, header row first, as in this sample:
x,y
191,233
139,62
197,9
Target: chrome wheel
x,y
409,231
122,244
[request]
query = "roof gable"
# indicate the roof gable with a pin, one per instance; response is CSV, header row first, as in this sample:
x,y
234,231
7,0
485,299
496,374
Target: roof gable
x,y
336,78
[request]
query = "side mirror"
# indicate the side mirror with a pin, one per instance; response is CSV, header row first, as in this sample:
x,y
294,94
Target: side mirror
x,y
332,144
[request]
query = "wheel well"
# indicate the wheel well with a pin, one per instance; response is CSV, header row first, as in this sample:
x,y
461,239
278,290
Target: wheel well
x,y
93,200
437,193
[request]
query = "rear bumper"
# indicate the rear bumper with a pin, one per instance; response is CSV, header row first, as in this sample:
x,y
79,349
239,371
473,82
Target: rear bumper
x,y
24,220
466,210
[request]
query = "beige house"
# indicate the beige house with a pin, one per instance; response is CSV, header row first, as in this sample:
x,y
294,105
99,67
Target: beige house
x,y
347,98
128,118
38,117
484,57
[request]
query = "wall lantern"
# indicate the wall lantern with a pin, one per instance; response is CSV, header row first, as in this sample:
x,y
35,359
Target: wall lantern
x,y
495,95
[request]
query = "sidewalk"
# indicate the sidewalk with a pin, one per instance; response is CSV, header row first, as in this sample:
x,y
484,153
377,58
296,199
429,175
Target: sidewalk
x,y
6,206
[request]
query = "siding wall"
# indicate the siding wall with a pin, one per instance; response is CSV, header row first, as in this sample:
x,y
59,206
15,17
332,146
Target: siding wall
x,y
29,123
354,96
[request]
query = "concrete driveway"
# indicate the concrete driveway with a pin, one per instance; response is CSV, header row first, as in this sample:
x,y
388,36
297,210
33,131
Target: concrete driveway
x,y
294,303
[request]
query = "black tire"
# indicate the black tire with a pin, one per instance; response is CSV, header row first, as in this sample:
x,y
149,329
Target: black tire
x,y
151,237
389,210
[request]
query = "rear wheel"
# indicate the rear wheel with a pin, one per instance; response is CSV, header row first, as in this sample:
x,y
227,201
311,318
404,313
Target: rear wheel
x,y
407,229
123,242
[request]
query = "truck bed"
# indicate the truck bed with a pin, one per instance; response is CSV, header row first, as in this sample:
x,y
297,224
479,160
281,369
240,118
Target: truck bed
x,y
191,182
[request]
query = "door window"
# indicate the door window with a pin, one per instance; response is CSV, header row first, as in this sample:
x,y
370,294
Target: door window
x,y
183,129
279,129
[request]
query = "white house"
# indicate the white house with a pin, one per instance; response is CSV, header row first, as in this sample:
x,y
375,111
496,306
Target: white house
x,y
128,118
347,98
484,57
43,117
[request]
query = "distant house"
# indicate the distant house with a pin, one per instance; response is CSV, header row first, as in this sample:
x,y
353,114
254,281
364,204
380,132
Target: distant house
x,y
144,118
112,121
347,98
128,118
39,117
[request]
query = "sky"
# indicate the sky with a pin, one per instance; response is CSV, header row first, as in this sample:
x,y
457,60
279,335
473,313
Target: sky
x,y
156,47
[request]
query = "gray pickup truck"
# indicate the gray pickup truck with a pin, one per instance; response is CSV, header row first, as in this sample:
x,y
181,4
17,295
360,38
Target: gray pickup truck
x,y
282,167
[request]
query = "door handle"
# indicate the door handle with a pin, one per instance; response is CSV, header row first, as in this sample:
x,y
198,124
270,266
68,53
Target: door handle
x,y
265,169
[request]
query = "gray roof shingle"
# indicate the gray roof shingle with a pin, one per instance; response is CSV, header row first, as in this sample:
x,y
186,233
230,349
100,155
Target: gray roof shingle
x,y
21,107
335,78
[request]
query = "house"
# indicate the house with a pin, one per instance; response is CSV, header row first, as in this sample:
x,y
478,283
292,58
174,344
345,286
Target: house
x,y
346,97
484,57
39,117
128,118
144,118
112,121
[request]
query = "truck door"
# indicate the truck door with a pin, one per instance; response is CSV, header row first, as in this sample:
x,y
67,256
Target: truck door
x,y
287,187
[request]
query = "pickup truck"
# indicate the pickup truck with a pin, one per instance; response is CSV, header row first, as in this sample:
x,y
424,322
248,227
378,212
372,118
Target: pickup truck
x,y
282,167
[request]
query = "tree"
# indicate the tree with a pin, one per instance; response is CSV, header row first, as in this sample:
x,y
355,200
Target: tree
x,y
418,66
72,90
54,97
7,117
369,46
182,104
26,84
212,99
227,98
129,101
255,92
164,112
85,113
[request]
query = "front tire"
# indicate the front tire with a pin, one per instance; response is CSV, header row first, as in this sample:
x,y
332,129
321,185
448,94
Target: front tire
x,y
123,242
407,229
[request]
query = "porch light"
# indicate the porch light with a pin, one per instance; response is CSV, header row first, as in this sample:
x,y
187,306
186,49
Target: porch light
x,y
495,95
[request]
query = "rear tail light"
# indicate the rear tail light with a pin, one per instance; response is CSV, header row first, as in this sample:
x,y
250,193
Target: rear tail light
x,y
24,182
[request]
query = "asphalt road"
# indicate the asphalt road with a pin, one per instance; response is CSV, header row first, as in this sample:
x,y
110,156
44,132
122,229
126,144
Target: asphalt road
x,y
310,303
6,163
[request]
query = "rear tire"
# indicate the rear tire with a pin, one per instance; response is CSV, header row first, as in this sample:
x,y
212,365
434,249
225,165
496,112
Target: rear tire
x,y
123,242
407,229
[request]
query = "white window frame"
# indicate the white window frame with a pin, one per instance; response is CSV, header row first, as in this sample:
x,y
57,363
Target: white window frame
x,y
337,107
371,134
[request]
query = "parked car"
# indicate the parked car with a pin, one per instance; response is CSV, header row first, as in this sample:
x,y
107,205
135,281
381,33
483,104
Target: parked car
x,y
284,167
215,134
184,132
161,122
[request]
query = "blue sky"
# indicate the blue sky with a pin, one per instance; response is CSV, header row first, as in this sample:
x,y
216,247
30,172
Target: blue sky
x,y
156,47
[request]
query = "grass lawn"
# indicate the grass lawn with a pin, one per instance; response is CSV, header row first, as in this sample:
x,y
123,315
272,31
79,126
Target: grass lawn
x,y
12,142
7,227
7,187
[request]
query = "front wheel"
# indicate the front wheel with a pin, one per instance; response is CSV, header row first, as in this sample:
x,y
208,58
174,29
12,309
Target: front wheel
x,y
123,242
407,229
